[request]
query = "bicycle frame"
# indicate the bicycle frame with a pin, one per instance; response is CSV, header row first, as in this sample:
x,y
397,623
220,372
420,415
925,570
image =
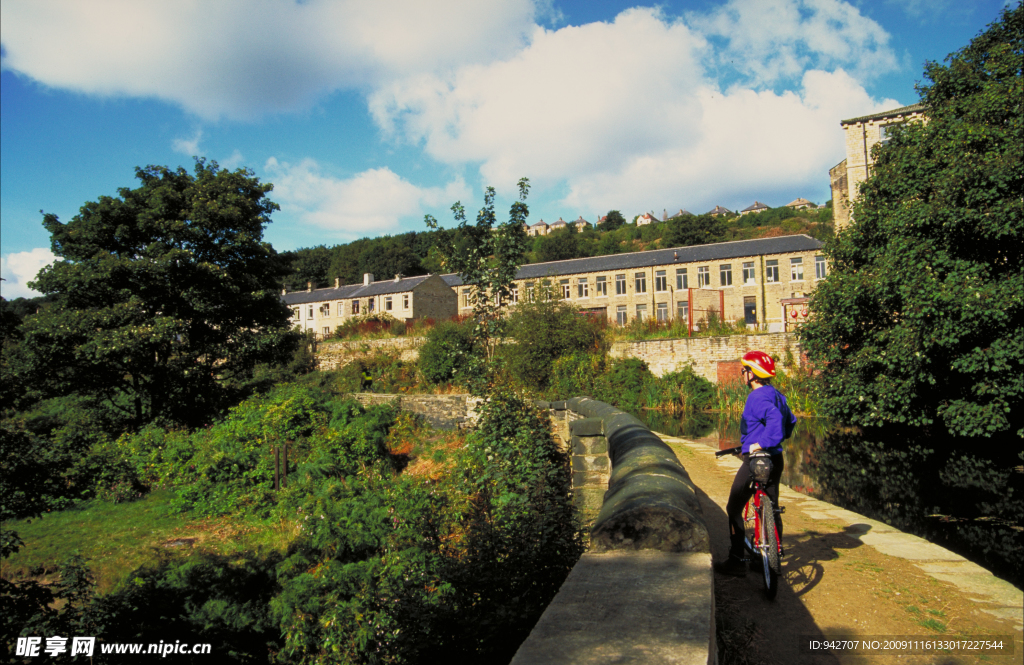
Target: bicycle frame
x,y
756,547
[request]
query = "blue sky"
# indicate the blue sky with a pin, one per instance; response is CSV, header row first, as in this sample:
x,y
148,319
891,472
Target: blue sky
x,y
368,115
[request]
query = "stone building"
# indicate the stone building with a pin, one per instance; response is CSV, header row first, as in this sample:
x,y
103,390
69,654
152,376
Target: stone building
x,y
862,134
755,207
745,280
404,298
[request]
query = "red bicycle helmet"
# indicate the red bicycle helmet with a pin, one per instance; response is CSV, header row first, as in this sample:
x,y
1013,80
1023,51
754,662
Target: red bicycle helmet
x,y
760,363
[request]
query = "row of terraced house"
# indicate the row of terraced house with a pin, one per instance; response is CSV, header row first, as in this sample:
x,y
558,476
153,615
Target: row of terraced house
x,y
764,283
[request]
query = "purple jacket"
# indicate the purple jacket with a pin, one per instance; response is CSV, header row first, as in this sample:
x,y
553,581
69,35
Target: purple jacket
x,y
763,420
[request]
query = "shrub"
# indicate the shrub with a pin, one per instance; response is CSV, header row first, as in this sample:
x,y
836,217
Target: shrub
x,y
543,331
447,351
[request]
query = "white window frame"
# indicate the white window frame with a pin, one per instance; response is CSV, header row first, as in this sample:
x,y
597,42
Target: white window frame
x,y
662,312
703,276
621,315
620,285
682,280
355,307
796,269
641,312
771,271
600,286
640,282
683,310
820,267
725,274
749,273
405,301
566,289
582,288
660,281
309,312
388,303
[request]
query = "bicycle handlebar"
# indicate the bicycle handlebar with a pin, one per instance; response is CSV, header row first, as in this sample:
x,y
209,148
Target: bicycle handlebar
x,y
729,451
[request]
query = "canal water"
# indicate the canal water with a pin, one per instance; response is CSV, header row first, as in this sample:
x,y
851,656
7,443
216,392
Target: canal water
x,y
721,431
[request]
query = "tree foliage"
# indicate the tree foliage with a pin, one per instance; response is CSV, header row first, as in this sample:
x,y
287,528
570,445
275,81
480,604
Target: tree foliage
x,y
612,221
163,293
920,321
693,230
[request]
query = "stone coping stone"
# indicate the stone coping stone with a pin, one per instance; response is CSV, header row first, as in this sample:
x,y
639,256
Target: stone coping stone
x,y
587,427
651,502
628,608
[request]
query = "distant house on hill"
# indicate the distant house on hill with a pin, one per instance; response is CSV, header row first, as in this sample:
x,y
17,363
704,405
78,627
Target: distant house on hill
x,y
538,229
646,218
560,224
682,213
719,210
581,224
756,207
799,204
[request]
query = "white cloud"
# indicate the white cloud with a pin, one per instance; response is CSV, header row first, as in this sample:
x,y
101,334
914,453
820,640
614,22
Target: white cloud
x,y
189,146
19,268
243,58
626,115
772,40
370,202
233,161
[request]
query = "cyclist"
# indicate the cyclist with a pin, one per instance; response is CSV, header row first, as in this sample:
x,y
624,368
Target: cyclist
x,y
767,420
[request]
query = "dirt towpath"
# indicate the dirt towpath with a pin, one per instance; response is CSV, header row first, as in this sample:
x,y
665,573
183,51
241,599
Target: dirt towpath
x,y
836,585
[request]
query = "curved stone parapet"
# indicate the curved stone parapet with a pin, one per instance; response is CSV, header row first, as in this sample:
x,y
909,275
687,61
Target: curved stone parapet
x,y
650,504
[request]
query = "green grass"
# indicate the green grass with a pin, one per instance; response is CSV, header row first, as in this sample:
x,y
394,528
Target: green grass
x,y
118,538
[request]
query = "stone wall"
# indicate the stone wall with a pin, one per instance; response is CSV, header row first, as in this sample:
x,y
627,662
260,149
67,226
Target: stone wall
x,y
441,411
333,355
665,355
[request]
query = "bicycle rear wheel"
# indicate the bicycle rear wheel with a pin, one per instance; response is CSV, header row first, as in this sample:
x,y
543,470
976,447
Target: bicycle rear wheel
x,y
769,549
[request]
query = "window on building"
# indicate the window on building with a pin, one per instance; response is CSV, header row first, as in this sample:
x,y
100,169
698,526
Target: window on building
x,y
387,303
529,292
620,315
464,300
819,267
326,332
683,310
661,280
582,288
725,274
749,275
640,282
703,276
641,312
601,286
405,301
355,307
309,312
750,310
620,285
885,132
796,269
369,305
662,311
681,280
514,294
771,270
327,309
566,289
295,313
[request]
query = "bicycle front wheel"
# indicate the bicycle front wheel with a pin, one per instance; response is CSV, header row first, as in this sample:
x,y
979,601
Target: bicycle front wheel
x,y
769,548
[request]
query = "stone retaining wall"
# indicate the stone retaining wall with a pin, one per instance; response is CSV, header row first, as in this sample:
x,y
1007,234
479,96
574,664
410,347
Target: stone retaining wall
x,y
661,355
332,355
665,355
441,411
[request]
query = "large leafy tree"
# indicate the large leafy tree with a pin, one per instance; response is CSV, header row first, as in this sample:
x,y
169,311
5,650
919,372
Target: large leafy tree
x,y
163,294
689,230
920,322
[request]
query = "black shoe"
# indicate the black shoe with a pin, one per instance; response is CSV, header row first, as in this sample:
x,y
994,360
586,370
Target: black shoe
x,y
731,566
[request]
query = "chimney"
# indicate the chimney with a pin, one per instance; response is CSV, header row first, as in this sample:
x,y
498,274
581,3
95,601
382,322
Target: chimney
x,y
284,292
309,286
367,278
398,277
337,282
675,256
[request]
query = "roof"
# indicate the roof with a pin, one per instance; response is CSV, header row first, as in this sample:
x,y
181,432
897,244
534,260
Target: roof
x,y
718,210
798,202
757,206
383,287
894,113
715,252
540,223
682,213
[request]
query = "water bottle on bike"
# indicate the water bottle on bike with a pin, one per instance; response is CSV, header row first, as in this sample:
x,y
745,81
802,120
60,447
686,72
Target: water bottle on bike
x,y
767,422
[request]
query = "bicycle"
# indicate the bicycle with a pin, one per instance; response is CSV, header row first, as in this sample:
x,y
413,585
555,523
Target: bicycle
x,y
761,540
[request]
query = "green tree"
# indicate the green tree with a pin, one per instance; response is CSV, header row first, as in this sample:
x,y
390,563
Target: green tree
x,y
544,331
560,245
163,295
693,230
308,265
920,321
612,221
486,258
389,257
